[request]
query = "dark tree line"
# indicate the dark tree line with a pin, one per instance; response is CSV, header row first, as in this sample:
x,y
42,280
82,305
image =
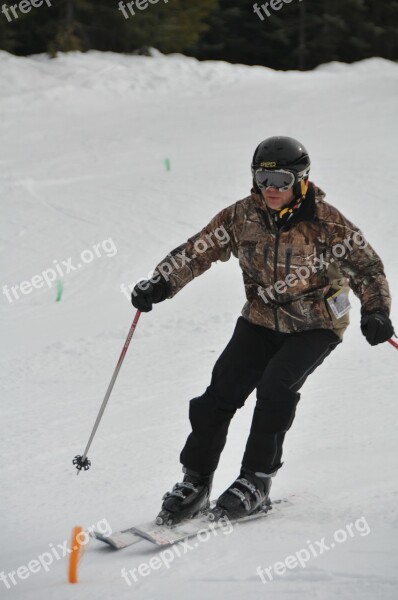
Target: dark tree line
x,y
301,35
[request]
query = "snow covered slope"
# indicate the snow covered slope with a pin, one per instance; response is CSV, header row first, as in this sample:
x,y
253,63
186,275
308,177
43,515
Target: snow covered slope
x,y
83,144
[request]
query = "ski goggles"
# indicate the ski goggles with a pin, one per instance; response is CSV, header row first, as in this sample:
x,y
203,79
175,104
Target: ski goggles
x,y
277,178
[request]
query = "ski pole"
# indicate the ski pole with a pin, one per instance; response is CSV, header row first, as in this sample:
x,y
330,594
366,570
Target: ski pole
x,y
395,344
82,462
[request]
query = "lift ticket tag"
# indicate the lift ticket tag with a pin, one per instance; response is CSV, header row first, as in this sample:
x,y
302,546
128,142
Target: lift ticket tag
x,y
339,303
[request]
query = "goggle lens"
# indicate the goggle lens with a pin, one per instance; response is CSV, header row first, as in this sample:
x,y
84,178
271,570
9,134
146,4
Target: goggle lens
x,y
280,179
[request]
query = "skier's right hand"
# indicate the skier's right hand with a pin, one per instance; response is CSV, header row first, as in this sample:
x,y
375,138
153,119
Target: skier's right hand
x,y
149,292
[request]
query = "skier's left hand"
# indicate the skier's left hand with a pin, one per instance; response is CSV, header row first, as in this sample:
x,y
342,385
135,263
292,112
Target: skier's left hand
x,y
377,328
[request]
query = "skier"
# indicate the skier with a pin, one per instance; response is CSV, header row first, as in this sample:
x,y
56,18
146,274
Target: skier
x,y
299,256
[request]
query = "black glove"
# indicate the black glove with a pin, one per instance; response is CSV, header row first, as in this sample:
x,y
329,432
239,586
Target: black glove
x,y
376,327
149,292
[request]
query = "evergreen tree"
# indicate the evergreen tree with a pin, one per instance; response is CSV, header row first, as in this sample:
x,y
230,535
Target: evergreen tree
x,y
7,36
382,28
301,35
88,24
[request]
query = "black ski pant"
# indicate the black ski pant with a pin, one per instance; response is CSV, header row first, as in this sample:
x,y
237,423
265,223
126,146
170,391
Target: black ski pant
x,y
275,363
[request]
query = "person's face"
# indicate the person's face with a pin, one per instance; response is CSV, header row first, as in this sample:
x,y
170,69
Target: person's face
x,y
275,199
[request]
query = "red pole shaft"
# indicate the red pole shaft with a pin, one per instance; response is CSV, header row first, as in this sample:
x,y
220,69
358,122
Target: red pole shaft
x,y
395,344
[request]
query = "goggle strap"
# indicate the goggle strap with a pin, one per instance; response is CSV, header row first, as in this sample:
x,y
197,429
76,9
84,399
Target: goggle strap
x,y
304,187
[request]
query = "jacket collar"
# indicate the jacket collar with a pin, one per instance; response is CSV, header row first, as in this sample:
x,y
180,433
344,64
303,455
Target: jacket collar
x,y
305,213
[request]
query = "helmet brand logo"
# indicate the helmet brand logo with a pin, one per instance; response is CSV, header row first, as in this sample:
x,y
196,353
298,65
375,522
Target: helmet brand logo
x,y
268,164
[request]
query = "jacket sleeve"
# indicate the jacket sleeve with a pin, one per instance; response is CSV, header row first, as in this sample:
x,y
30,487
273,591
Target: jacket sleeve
x,y
363,267
191,259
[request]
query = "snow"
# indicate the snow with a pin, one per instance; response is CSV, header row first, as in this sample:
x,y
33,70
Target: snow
x,y
84,139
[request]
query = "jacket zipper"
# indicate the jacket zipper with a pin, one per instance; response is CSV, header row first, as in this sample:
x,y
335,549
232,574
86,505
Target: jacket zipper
x,y
288,261
276,248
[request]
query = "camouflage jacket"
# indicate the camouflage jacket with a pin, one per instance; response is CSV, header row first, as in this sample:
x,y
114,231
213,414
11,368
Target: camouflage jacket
x,y
292,274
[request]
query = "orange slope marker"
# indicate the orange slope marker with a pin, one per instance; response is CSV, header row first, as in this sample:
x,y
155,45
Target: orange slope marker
x,y
77,550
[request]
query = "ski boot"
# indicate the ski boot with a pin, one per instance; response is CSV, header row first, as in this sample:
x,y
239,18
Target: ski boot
x,y
247,495
186,499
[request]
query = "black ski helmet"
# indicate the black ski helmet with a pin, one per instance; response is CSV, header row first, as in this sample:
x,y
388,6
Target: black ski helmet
x,y
280,152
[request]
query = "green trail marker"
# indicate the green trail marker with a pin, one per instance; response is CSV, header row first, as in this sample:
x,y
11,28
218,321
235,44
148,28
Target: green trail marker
x,y
167,164
60,289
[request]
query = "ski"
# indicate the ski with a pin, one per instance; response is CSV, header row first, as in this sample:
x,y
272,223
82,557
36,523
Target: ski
x,y
162,535
119,539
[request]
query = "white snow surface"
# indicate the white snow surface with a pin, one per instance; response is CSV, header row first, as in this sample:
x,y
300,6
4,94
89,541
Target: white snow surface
x,y
83,143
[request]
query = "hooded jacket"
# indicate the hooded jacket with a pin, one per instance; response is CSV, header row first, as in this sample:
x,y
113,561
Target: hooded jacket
x,y
296,276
